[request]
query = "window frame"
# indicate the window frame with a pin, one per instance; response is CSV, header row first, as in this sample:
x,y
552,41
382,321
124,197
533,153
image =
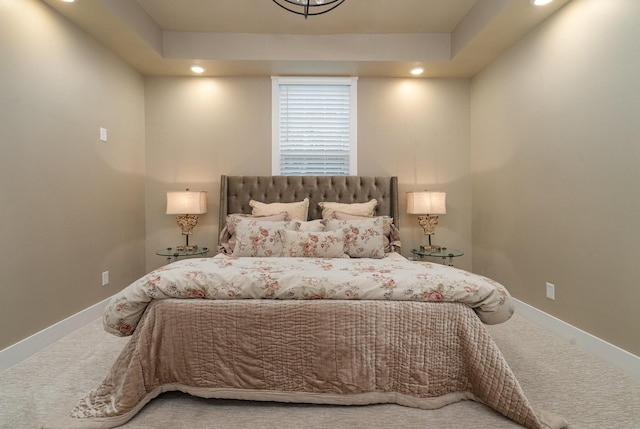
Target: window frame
x,y
352,82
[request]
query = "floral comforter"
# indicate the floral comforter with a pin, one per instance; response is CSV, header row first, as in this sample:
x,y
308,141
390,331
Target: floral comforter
x,y
224,277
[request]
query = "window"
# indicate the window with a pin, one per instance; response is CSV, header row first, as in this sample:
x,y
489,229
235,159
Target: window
x,y
314,122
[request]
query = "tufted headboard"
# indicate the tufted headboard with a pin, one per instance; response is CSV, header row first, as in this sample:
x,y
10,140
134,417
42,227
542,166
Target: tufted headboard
x,y
236,191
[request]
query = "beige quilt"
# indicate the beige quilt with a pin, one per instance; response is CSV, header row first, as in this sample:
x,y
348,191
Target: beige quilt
x,y
418,354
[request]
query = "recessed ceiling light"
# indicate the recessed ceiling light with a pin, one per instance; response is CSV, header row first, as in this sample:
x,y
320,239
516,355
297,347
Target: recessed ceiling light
x,y
416,71
68,1
197,69
540,2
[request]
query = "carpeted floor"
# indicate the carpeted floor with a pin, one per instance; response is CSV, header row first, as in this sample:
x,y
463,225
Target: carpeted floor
x,y
556,375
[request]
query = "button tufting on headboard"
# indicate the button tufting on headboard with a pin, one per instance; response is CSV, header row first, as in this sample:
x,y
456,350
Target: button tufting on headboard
x,y
237,191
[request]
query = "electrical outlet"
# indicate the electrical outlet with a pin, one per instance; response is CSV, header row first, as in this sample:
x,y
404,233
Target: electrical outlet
x,y
105,278
551,291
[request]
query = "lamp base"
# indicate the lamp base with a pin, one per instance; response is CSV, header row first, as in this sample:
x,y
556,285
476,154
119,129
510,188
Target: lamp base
x,y
187,248
428,223
186,223
431,248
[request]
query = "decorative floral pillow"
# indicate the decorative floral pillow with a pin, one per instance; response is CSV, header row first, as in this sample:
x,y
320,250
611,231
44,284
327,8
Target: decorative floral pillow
x,y
259,238
363,238
227,239
359,209
296,211
391,234
313,244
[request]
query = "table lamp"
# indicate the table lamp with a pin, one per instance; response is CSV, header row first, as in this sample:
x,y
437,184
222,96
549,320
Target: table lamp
x,y
427,205
187,205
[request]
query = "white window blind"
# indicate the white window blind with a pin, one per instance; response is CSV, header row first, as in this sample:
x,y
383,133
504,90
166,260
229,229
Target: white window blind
x,y
314,126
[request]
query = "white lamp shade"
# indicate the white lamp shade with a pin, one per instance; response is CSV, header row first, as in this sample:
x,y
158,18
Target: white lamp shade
x,y
186,202
422,203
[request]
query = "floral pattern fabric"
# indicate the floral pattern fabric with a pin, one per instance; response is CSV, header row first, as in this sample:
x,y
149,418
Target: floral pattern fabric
x,y
227,240
259,238
328,244
363,238
225,277
391,233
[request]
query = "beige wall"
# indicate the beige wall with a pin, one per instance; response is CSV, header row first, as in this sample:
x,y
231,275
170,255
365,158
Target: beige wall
x,y
545,139
418,130
72,206
556,166
200,128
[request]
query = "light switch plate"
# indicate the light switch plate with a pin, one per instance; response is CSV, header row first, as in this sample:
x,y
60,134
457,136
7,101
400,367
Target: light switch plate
x,y
551,290
103,134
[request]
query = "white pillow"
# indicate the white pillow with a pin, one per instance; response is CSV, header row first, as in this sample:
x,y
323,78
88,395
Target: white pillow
x,y
313,244
311,226
358,209
296,211
362,238
259,238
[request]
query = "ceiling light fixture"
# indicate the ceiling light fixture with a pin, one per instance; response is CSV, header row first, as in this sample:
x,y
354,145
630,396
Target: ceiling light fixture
x,y
417,71
197,69
540,2
308,7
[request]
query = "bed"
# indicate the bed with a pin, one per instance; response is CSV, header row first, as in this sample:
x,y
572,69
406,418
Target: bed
x,y
297,308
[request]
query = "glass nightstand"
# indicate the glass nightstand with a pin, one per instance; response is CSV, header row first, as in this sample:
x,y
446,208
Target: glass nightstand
x,y
445,253
172,254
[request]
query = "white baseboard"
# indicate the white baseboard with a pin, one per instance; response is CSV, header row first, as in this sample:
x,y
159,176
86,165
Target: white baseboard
x,y
21,350
614,355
